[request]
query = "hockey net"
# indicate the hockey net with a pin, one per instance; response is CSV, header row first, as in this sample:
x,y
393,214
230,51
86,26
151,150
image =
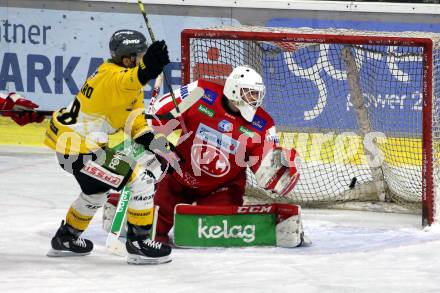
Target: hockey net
x,y
360,107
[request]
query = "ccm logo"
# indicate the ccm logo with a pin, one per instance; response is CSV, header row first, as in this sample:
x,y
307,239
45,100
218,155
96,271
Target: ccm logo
x,y
254,209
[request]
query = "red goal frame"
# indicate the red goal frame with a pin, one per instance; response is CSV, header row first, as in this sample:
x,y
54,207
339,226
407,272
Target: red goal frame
x,y
426,43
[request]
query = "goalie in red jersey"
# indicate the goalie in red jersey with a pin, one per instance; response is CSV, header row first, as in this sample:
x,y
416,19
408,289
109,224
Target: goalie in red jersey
x,y
228,131
21,110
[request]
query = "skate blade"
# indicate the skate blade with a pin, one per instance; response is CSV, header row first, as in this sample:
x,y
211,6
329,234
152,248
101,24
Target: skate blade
x,y
306,241
143,260
64,253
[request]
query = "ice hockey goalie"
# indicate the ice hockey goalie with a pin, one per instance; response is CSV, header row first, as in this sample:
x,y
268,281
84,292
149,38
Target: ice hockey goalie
x,y
229,131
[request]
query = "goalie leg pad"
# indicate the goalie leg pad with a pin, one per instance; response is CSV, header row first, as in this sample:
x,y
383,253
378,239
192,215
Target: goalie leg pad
x,y
290,232
289,228
249,225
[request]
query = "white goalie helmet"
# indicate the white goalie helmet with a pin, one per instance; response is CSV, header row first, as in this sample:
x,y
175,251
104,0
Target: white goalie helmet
x,y
245,89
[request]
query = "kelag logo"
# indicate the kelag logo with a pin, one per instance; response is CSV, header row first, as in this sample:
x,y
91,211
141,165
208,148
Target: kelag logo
x,y
225,231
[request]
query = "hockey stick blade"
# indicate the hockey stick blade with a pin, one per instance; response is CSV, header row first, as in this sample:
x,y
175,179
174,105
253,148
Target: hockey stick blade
x,y
115,245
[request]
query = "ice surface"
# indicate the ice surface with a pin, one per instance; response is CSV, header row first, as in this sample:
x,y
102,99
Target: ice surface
x,y
352,251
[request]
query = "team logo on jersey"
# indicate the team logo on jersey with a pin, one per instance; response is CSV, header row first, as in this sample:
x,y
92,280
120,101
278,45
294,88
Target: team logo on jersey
x,y
225,126
184,91
258,123
217,139
205,110
209,96
210,160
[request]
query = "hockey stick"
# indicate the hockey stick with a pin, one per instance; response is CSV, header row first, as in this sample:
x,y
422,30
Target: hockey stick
x,y
154,94
165,78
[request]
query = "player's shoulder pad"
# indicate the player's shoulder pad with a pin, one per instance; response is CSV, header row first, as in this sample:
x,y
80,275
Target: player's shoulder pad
x,y
206,84
212,91
262,120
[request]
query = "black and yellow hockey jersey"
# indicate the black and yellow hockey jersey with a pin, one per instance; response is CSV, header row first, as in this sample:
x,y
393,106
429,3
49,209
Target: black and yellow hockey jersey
x,y
110,100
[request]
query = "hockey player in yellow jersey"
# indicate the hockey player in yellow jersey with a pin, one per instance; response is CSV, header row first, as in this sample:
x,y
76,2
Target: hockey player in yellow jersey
x,y
110,100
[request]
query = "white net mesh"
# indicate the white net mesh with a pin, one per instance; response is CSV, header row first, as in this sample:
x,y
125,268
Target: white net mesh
x,y
339,102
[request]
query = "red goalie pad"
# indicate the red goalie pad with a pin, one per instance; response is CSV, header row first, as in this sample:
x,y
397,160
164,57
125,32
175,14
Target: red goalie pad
x,y
229,226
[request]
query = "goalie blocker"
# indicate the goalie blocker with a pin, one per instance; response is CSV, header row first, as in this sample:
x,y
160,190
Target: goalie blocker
x,y
235,226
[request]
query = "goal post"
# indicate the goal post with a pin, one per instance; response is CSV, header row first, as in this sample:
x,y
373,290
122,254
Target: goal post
x,y
360,106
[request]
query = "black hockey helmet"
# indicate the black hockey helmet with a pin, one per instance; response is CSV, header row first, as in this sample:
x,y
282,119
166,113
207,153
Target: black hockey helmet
x,y
126,43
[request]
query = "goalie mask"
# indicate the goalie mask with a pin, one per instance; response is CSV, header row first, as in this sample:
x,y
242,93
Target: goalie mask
x,y
245,89
127,43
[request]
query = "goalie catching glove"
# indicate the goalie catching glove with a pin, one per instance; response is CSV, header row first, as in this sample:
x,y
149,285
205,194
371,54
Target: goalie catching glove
x,y
278,171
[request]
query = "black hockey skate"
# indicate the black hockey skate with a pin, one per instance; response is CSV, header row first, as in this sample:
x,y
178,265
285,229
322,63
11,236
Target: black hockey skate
x,y
67,242
142,250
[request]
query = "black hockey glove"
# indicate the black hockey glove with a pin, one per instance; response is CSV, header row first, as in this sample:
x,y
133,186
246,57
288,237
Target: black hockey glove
x,y
153,62
162,148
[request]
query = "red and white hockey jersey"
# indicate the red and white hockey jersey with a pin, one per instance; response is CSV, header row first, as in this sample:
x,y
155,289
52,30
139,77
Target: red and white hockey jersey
x,y
222,143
